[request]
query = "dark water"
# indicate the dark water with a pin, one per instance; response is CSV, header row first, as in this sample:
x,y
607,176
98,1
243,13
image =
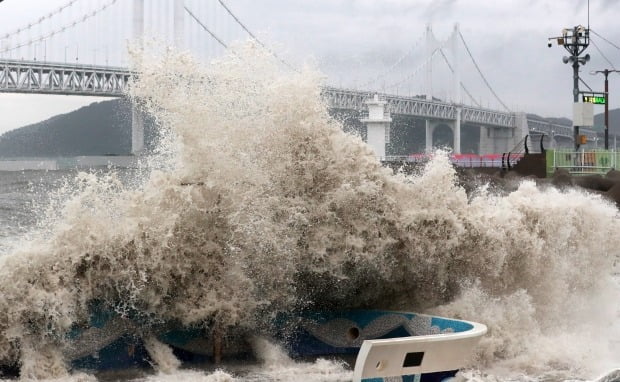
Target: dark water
x,y
26,196
23,196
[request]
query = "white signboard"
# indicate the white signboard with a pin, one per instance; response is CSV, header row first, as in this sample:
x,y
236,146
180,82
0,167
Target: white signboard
x,y
583,114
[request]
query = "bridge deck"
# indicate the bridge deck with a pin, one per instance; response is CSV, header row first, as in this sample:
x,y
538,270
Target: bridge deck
x,y
55,78
353,99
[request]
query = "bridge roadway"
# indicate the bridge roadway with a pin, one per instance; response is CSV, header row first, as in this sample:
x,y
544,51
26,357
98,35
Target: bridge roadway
x,y
18,76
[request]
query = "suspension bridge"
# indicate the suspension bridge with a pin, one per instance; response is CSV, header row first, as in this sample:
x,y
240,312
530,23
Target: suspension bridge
x,y
73,50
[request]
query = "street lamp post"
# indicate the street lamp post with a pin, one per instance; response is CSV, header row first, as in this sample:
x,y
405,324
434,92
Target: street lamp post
x,y
606,72
575,40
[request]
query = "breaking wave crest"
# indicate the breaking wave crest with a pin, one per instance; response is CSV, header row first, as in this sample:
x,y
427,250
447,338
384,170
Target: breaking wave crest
x,y
257,202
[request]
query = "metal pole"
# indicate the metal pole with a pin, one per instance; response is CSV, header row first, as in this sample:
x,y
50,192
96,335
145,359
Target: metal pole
x,y
576,94
606,72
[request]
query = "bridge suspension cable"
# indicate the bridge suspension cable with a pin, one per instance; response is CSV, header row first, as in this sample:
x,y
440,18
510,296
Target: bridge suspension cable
x,y
222,43
461,83
40,20
242,25
417,70
481,74
393,66
428,60
606,40
69,25
602,54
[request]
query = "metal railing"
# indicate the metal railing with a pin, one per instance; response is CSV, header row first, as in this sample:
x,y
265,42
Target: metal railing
x,y
586,162
468,161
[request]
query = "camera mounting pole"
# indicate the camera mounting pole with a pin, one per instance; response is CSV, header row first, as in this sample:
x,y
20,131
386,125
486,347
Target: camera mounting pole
x,y
575,40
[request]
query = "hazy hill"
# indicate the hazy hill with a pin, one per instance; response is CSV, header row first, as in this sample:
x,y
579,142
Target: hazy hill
x,y
614,121
599,121
97,129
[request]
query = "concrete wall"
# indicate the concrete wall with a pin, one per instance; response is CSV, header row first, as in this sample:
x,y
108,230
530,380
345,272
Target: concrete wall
x,y
81,162
98,161
33,164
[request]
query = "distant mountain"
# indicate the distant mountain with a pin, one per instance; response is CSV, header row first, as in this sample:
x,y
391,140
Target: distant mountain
x,y
559,121
97,129
599,121
102,128
614,121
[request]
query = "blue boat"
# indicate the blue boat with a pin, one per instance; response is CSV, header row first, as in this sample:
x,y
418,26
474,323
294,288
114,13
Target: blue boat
x,y
379,345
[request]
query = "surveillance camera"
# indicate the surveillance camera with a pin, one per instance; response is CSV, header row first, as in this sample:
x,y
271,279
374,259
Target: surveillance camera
x,y
549,44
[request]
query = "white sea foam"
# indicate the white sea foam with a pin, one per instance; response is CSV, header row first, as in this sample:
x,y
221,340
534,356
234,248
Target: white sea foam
x,y
257,202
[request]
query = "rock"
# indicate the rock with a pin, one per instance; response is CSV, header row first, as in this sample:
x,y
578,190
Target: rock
x,y
613,174
614,193
595,182
562,178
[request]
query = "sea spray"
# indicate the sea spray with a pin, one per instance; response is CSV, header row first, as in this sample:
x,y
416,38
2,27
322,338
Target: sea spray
x,y
259,203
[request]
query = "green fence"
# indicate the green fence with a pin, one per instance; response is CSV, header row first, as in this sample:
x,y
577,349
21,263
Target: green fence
x,y
582,162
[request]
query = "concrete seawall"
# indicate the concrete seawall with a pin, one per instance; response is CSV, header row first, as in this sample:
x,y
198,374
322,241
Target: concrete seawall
x,y
62,163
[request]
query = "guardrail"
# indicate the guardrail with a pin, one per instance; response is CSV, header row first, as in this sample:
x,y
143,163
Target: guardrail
x,y
459,160
582,162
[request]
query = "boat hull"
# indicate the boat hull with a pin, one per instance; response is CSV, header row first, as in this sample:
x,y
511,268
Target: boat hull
x,y
380,345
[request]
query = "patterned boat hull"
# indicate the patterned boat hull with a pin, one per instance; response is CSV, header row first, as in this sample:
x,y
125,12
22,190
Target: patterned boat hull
x,y
386,345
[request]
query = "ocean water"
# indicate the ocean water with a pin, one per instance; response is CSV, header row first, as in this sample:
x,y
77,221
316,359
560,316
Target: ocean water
x,y
251,175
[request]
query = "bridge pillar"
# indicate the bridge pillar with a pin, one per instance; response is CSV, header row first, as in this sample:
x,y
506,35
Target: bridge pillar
x,y
521,128
137,130
457,132
497,140
431,144
487,141
429,136
378,125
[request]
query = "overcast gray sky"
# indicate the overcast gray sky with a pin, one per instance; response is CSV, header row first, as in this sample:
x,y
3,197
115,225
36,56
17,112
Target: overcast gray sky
x,y
358,42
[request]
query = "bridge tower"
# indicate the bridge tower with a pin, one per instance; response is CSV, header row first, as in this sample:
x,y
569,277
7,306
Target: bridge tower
x,y
456,82
432,46
431,43
378,125
137,116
